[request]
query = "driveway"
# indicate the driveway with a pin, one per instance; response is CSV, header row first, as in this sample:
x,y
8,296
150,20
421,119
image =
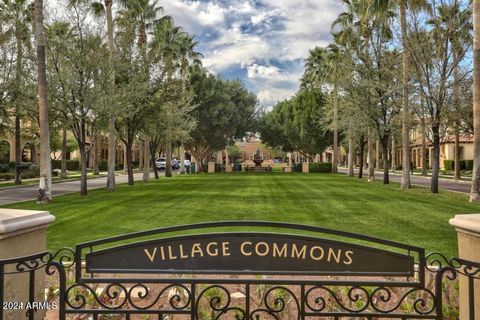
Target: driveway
x,y
19,194
445,184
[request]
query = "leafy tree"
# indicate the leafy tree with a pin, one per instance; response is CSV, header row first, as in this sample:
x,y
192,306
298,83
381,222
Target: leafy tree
x,y
296,124
431,39
78,71
17,22
475,193
224,111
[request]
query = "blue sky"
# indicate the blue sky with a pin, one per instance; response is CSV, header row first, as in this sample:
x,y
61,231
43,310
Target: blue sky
x,y
262,42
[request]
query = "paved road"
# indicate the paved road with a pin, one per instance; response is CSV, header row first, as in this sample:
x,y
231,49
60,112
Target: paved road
x,y
12,195
445,184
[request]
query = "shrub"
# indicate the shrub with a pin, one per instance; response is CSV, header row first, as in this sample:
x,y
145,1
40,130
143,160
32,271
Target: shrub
x,y
4,167
118,166
321,167
449,165
56,164
11,166
468,164
7,176
297,167
103,165
73,165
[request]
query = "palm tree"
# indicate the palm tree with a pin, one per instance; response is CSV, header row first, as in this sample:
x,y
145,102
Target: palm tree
x,y
382,7
99,8
166,45
45,187
350,25
142,14
19,14
475,193
460,38
323,67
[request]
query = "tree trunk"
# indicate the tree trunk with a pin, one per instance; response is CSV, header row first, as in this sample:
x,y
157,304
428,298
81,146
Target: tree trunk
x,y
17,93
351,152
362,152
394,156
18,148
96,158
145,159
335,129
457,175
384,143
405,183
475,193
371,168
168,156
153,153
424,153
456,102
63,173
83,168
377,155
129,164
141,153
436,158
112,139
182,160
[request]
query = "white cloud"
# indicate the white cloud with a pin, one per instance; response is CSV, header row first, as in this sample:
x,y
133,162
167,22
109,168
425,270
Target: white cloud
x,y
196,16
251,34
258,71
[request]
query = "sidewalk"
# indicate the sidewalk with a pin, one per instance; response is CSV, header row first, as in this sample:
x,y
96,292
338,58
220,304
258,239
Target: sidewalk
x,y
443,183
26,193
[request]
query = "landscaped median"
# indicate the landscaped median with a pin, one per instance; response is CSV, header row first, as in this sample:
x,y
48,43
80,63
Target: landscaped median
x,y
414,217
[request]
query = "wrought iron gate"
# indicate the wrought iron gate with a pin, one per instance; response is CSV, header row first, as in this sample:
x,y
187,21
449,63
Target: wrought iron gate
x,y
185,273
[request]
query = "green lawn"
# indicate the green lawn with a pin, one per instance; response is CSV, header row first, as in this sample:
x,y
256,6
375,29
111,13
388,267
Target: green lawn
x,y
72,175
414,217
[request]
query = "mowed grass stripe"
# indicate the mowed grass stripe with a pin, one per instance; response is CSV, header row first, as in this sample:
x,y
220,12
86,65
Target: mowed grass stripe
x,y
415,216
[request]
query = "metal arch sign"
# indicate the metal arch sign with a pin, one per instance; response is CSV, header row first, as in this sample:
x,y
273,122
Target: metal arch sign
x,y
249,253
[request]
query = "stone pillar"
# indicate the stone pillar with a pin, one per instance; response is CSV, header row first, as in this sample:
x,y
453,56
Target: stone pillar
x,y
468,231
306,167
12,149
23,233
228,166
211,167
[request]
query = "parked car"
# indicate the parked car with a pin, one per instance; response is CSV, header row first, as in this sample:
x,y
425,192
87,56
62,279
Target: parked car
x,y
161,164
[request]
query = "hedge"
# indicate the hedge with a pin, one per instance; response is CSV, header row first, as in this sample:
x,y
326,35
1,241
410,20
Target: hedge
x,y
449,165
72,165
103,165
7,176
321,167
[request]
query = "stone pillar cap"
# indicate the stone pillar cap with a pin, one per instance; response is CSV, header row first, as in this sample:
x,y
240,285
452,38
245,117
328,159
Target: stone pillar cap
x,y
467,222
12,220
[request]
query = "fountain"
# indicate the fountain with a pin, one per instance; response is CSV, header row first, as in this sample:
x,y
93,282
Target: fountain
x,y
257,159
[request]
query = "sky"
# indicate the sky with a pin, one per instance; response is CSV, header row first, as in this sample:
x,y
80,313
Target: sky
x,y
264,43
